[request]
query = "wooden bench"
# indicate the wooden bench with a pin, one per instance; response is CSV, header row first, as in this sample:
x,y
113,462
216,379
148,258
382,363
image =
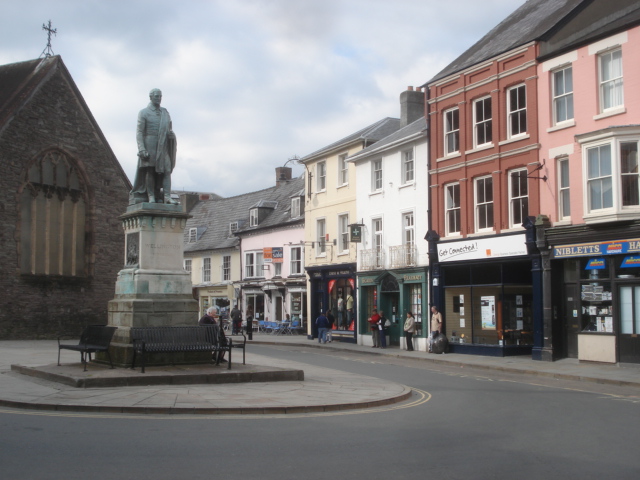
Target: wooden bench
x,y
180,339
94,338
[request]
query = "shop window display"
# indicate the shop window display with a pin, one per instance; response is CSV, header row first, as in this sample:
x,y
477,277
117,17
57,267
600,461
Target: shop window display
x,y
596,295
490,315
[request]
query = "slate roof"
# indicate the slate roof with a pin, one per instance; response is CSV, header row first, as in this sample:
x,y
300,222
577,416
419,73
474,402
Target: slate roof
x,y
596,20
370,134
216,215
417,128
20,81
528,23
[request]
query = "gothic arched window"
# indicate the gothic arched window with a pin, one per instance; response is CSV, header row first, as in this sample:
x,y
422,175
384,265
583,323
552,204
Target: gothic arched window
x,y
53,216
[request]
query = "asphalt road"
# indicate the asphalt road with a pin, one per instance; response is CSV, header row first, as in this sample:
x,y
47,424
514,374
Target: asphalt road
x,y
459,424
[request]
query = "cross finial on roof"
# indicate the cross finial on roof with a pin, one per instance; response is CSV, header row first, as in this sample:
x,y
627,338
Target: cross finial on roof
x,y
48,51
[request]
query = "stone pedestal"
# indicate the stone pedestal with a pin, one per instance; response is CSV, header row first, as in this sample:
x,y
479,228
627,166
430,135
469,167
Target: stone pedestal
x,y
152,289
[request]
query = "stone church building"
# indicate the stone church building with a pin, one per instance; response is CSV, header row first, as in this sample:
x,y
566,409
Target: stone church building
x,y
61,192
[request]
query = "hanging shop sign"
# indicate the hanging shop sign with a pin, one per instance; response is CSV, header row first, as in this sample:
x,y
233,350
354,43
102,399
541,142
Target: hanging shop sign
x,y
355,232
495,247
597,248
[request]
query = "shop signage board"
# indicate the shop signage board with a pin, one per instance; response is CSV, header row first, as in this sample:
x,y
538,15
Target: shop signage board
x,y
597,248
483,248
272,255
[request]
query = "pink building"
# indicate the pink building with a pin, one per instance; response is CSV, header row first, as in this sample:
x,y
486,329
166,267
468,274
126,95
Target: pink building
x,y
589,233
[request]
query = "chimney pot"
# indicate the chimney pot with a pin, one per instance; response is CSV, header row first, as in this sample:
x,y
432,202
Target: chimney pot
x,y
410,88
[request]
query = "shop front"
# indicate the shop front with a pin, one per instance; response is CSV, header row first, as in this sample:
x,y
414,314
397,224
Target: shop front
x,y
221,296
395,293
598,299
486,292
333,288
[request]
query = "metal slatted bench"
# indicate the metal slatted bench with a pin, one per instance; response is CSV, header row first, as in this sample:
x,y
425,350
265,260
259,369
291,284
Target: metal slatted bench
x,y
190,338
94,338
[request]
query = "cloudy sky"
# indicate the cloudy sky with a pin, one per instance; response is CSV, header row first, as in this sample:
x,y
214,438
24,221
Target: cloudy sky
x,y
248,83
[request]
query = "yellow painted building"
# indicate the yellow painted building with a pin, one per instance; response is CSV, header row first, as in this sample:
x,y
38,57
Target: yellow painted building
x,y
330,209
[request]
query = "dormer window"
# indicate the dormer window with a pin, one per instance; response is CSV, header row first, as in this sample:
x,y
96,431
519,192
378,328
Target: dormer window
x,y
295,207
233,227
193,235
253,217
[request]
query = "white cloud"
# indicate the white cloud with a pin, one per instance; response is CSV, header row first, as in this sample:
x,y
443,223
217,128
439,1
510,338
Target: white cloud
x,y
248,83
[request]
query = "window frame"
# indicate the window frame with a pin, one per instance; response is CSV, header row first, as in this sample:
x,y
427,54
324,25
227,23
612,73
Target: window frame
x,y
321,174
226,268
376,175
614,144
453,132
296,265
513,199
206,269
188,264
295,207
564,97
518,110
408,228
602,83
452,208
408,166
484,123
321,235
564,189
253,264
343,233
343,170
377,234
253,217
193,235
478,205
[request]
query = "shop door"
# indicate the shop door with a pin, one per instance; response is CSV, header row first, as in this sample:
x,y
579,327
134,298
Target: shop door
x,y
571,324
389,306
278,301
629,338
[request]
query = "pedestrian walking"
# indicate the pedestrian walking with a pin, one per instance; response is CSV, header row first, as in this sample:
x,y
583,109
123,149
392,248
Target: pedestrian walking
x,y
322,322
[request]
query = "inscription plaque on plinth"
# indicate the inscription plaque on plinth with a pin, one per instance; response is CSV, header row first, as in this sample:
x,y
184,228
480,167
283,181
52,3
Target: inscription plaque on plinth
x,y
152,289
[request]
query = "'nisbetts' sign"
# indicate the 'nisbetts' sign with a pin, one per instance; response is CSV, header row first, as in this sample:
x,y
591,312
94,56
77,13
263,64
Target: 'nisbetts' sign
x,y
600,248
496,247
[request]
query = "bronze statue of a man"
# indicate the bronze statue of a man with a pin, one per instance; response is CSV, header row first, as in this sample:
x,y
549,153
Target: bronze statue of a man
x,y
156,154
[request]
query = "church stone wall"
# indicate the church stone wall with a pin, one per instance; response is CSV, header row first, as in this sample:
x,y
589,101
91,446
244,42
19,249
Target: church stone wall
x,y
41,306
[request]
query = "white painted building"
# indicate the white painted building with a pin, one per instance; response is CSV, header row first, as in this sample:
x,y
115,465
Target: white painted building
x,y
392,204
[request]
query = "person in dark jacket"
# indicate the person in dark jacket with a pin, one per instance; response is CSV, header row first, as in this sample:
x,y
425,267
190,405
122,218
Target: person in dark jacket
x,y
322,322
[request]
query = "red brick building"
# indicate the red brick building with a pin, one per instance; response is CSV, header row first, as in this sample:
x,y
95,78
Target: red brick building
x,y
484,173
61,193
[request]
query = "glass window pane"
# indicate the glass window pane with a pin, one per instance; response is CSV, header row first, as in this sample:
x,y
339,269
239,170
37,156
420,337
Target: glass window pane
x,y
626,310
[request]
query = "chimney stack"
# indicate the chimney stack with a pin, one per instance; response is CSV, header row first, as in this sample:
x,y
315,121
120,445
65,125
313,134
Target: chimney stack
x,y
411,106
282,175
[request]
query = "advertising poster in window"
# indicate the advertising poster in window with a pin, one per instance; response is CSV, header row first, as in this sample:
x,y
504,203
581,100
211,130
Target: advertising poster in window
x,y
488,312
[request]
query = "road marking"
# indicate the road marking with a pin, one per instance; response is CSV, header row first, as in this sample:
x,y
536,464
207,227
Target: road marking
x,y
422,398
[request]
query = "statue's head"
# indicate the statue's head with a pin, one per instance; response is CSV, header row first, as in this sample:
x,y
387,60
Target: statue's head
x,y
155,95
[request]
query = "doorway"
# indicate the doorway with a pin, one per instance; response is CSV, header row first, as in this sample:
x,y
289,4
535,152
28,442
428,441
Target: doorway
x,y
571,323
629,338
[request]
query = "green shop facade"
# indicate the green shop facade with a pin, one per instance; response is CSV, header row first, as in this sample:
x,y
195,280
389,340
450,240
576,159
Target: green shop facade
x,y
395,292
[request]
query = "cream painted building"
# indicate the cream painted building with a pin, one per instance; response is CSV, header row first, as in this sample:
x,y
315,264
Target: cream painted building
x,y
330,208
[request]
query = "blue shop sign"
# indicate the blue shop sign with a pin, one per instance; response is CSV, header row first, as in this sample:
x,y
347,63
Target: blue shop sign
x,y
630,261
598,248
596,264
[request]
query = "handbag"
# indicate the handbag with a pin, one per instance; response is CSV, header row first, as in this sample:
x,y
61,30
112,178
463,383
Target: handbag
x,y
387,324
